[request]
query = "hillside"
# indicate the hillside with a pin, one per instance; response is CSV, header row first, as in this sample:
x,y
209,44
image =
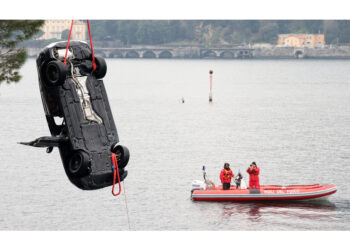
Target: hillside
x,y
211,32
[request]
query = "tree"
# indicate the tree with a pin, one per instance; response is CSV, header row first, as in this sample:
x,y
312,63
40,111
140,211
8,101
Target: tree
x,y
100,29
12,57
65,34
269,32
344,34
127,31
331,31
38,35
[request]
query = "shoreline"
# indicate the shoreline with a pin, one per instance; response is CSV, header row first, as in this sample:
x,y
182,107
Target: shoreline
x,y
219,53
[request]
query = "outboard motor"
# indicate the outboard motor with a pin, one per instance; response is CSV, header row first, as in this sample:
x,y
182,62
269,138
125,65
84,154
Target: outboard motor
x,y
202,185
75,94
198,185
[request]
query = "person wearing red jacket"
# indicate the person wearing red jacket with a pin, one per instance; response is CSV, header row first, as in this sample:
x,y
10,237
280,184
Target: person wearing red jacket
x,y
225,176
253,172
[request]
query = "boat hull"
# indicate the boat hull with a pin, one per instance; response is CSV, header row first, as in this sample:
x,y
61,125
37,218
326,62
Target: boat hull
x,y
265,193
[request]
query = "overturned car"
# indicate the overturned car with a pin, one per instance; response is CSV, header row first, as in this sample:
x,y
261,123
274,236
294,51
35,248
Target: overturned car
x,y
79,115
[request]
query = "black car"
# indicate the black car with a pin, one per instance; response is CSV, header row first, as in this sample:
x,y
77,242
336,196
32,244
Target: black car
x,y
78,115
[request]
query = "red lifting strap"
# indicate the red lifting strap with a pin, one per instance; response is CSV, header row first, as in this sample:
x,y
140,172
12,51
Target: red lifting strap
x,y
70,32
92,48
115,172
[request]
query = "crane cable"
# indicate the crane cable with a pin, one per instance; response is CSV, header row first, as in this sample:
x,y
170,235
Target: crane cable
x,y
92,48
91,45
126,206
70,33
116,173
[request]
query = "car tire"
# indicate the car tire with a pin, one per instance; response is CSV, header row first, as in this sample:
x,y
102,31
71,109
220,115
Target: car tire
x,y
79,164
123,155
101,67
55,73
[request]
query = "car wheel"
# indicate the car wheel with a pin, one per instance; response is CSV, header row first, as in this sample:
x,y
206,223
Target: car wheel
x,y
101,67
79,164
122,154
55,73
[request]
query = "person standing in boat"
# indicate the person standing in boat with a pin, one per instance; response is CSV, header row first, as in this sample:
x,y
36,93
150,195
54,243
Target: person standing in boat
x,y
253,172
225,176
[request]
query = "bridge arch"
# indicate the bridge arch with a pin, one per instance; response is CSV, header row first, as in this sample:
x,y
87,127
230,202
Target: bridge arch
x,y
165,54
132,54
149,54
227,54
299,54
209,54
116,54
244,54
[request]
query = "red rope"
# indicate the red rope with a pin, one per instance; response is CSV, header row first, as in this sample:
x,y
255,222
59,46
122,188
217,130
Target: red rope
x,y
70,32
92,49
115,172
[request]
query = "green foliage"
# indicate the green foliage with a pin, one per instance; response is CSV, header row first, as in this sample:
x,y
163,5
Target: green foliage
x,y
269,32
38,34
12,57
210,32
65,34
344,31
143,32
215,38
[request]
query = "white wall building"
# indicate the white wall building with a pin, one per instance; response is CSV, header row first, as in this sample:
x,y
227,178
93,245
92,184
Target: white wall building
x,y
53,29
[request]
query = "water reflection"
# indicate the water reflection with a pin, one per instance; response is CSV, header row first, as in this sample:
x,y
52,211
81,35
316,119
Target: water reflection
x,y
300,209
251,209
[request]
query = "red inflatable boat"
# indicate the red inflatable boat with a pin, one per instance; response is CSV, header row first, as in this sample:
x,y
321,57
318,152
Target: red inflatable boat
x,y
202,192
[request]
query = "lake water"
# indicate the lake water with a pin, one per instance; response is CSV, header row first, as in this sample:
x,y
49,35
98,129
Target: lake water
x,y
291,117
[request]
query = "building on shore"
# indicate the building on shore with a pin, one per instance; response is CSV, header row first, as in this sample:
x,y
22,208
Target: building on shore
x,y
53,29
301,40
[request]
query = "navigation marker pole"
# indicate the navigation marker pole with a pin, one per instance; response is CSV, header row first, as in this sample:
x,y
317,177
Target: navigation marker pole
x,y
211,85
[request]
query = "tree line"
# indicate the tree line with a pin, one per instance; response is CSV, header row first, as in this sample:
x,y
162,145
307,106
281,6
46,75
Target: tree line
x,y
210,32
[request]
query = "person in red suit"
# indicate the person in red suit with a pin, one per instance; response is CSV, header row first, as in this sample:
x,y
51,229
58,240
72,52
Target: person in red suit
x,y
225,176
253,172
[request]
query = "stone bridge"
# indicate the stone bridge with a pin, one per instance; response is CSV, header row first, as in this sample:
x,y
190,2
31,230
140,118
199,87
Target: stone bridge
x,y
178,52
234,52
229,53
167,52
136,52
